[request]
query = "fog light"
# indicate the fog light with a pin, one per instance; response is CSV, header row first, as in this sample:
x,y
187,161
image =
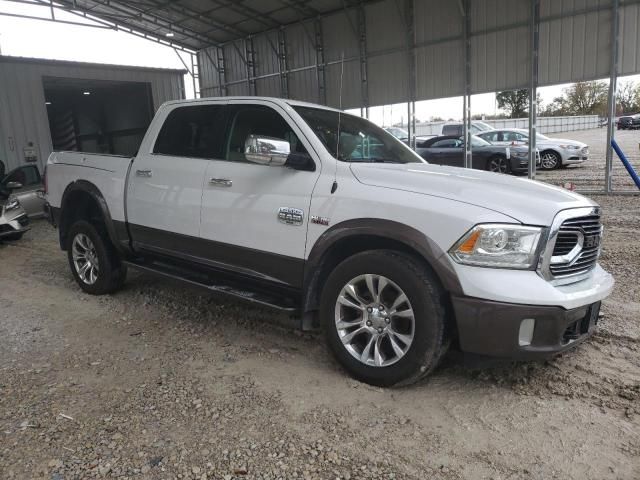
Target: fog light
x,y
526,331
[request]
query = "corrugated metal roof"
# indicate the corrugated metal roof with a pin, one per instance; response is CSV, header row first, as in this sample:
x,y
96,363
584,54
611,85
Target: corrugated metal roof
x,y
290,59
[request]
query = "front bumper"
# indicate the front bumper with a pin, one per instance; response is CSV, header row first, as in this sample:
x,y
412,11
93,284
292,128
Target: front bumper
x,y
571,157
19,224
492,329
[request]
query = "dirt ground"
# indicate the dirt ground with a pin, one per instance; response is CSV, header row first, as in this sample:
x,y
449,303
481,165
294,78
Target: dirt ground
x,y
165,381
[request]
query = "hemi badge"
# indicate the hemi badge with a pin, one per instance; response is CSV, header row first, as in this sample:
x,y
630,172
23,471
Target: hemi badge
x,y
319,220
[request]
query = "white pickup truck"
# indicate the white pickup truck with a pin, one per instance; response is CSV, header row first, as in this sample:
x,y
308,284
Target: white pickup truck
x,y
393,258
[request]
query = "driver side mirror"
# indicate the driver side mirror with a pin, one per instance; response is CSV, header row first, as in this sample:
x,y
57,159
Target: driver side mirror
x,y
266,150
13,185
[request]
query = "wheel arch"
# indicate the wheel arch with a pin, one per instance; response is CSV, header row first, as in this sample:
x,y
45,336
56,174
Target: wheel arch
x,y
354,236
83,200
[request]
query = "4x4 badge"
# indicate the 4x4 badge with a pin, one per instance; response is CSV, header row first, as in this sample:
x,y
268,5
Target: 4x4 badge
x,y
319,220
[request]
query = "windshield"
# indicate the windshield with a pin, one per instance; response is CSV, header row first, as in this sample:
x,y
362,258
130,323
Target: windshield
x,y
483,127
477,141
360,140
398,132
539,136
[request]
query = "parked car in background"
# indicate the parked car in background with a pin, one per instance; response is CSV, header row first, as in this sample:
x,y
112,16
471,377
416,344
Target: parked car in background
x,y
554,152
629,122
449,150
402,135
457,128
13,219
31,190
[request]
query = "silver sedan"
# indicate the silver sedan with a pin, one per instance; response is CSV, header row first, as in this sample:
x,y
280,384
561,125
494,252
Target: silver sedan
x,y
30,192
554,152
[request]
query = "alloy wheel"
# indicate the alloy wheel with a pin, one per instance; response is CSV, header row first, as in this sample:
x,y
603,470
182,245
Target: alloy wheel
x,y
85,259
498,165
549,160
374,320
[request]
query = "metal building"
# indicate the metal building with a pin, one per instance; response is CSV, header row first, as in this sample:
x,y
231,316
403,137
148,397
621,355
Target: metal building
x,y
385,51
47,103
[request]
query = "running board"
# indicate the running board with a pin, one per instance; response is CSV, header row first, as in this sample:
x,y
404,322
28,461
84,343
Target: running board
x,y
217,285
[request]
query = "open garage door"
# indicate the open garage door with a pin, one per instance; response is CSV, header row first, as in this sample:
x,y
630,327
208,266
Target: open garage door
x,y
97,116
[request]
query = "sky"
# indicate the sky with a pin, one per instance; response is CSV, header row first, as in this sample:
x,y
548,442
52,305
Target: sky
x,y
43,39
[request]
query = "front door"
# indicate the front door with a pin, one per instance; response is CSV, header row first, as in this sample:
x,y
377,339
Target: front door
x,y
165,182
255,216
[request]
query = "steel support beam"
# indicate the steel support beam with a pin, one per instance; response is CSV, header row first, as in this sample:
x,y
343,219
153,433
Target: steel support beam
x,y
613,86
409,16
195,75
466,98
362,42
282,63
222,80
249,53
533,85
320,65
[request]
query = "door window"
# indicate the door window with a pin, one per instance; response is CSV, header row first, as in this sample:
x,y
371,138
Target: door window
x,y
193,131
448,143
257,120
27,175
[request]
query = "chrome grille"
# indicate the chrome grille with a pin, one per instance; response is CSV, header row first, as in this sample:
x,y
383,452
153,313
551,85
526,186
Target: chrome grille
x,y
577,246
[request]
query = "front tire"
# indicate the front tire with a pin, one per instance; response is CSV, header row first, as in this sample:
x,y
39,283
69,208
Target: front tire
x,y
384,317
550,160
498,164
94,262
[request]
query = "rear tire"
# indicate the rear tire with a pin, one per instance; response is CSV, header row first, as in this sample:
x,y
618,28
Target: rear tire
x,y
94,262
399,310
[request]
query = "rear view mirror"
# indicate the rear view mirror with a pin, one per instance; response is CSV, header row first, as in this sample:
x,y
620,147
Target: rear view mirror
x,y
266,150
13,185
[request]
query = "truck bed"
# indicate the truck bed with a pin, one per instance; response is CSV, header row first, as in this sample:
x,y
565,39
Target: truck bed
x,y
106,172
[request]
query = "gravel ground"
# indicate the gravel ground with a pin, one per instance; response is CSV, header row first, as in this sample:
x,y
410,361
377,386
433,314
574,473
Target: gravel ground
x,y
164,381
590,175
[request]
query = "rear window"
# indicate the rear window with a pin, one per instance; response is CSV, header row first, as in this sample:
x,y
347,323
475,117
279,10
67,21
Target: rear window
x,y
194,131
452,130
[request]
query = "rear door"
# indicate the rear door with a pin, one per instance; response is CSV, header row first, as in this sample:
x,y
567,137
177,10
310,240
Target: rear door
x,y
255,217
165,182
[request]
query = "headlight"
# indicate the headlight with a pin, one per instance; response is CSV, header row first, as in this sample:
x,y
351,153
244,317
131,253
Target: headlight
x,y
498,246
12,204
520,154
570,147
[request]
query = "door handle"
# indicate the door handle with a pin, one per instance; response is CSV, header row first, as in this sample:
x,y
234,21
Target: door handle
x,y
220,182
143,173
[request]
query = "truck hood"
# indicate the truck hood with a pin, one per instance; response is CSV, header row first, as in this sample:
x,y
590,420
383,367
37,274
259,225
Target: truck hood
x,y
529,202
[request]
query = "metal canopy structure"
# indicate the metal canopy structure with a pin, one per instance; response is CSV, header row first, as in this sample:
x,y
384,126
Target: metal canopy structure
x,y
386,51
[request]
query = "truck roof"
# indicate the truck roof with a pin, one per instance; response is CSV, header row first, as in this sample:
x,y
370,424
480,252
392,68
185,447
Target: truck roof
x,y
284,102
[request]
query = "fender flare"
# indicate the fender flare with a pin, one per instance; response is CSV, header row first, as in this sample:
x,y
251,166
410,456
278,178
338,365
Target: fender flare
x,y
94,192
383,229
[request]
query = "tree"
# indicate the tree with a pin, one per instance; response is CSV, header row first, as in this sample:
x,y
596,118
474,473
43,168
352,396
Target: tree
x,y
514,102
586,98
629,97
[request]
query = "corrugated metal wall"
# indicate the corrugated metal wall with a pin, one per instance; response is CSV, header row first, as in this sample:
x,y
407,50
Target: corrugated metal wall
x,y
575,41
23,114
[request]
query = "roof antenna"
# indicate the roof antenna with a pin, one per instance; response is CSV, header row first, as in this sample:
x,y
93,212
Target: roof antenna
x,y
334,186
